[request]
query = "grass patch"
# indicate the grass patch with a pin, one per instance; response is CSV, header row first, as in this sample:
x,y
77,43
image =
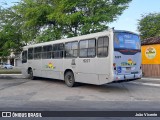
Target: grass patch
x,y
10,71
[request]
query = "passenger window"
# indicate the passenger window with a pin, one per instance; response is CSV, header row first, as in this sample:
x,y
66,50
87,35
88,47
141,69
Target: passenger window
x,y
24,56
83,44
30,53
47,52
102,49
71,49
87,48
37,52
58,50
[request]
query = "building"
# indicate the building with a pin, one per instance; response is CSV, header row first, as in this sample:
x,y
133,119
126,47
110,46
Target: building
x,y
13,59
151,57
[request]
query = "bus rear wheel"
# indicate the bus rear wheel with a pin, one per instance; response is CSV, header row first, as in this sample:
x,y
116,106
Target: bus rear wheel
x,y
31,74
69,79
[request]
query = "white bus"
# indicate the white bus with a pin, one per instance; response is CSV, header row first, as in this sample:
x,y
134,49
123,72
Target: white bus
x,y
97,58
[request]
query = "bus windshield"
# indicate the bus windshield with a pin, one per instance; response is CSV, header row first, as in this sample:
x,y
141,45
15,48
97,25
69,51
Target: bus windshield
x,y
124,40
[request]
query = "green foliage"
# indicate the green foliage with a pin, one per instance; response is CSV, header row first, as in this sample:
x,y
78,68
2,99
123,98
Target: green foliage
x,y
46,20
55,19
149,25
10,35
79,17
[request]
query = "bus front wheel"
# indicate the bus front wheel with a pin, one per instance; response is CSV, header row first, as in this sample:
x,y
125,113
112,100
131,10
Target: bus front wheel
x,y
31,74
69,79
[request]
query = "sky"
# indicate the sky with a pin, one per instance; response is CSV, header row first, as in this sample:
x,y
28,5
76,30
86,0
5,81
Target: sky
x,y
129,19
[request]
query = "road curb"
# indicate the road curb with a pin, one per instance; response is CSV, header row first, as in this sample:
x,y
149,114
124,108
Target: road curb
x,y
158,79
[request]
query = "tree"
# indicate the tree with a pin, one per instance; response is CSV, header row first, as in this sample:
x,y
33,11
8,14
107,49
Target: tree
x,y
67,18
46,20
10,33
149,25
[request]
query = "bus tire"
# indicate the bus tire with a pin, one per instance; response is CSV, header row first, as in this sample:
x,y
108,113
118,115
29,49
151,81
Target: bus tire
x,y
69,79
31,76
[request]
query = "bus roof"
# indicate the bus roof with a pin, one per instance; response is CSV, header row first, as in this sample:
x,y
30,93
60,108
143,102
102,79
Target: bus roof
x,y
88,36
125,31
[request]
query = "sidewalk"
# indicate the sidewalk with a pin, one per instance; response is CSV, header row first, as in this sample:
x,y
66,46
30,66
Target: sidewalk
x,y
150,78
9,76
154,82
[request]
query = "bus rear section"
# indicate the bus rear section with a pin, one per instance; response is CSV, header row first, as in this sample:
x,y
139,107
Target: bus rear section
x,y
127,56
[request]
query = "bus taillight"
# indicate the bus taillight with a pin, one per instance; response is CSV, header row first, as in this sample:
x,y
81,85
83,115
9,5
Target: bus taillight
x,y
114,65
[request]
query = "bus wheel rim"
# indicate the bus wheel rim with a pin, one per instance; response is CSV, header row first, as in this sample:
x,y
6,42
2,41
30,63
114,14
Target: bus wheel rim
x,y
69,78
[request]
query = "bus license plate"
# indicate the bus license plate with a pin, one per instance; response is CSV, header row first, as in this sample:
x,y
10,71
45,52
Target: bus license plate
x,y
128,68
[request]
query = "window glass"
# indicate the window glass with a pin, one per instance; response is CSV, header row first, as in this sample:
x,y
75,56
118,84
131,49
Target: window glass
x,y
24,56
55,47
47,52
68,46
102,49
91,52
125,40
58,50
92,43
100,52
75,53
37,52
61,54
105,51
60,46
106,41
87,48
84,44
83,53
38,49
71,49
30,53
74,45
100,42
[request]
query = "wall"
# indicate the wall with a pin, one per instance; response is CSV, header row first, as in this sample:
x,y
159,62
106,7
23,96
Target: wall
x,y
151,60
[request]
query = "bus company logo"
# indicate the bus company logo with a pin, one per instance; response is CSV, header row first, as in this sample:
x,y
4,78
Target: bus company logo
x,y
6,114
130,62
50,65
21,114
150,52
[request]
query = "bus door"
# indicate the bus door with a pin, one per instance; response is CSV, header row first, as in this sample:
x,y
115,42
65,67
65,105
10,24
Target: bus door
x,y
35,60
103,60
86,63
52,62
71,54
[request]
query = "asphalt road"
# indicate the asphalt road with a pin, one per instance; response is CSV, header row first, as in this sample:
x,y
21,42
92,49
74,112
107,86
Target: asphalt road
x,y
18,93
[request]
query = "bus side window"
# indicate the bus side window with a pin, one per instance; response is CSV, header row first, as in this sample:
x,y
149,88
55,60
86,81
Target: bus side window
x,y
24,56
71,49
61,50
30,53
37,52
47,52
58,50
87,48
102,47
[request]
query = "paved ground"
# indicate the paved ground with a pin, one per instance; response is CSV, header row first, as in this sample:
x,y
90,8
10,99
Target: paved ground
x,y
18,93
